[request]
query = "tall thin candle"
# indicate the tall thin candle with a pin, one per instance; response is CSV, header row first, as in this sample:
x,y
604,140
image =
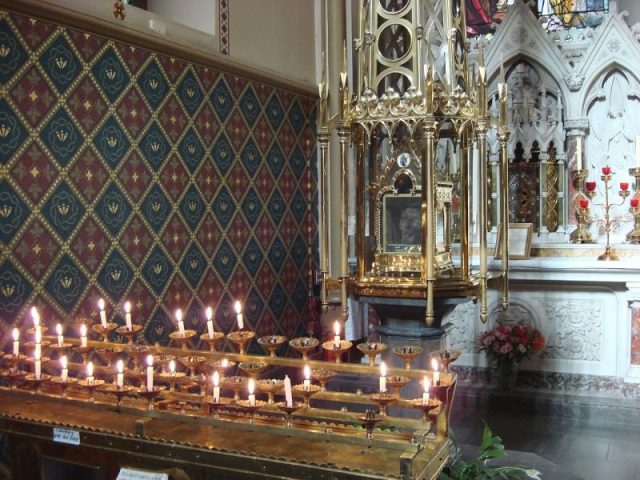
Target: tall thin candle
x,y
216,386
64,370
425,394
90,378
239,316
127,315
209,314
307,378
83,335
103,314
436,374
288,394
149,373
59,333
383,377
120,374
336,337
16,342
251,388
180,322
37,365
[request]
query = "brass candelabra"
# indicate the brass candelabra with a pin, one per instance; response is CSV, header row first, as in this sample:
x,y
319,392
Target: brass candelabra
x,y
634,235
581,234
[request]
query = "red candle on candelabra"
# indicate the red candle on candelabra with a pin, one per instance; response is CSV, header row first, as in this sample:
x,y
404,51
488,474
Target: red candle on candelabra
x,y
606,170
634,202
624,186
591,186
584,203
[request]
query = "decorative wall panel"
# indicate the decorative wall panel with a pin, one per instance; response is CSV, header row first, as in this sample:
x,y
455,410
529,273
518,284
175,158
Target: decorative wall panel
x,y
128,174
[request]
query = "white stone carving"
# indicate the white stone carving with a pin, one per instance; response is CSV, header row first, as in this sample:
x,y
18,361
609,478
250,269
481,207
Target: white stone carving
x,y
574,329
461,335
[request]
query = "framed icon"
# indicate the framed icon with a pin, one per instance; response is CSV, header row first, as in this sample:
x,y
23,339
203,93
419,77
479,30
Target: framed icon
x,y
519,241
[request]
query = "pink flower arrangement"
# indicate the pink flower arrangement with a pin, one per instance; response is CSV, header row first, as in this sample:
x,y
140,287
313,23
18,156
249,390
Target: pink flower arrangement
x,y
511,343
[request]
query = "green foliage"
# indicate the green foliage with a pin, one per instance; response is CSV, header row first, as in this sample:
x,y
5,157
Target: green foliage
x,y
479,468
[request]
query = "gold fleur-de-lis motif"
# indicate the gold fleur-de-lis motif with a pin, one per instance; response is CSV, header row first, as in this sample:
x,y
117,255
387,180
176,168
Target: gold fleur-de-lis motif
x,y
7,290
225,259
155,206
224,206
252,205
157,268
252,256
66,282
193,264
155,146
191,149
4,131
5,211
192,205
153,83
222,99
111,73
61,63
251,156
223,153
190,92
112,141
62,135
63,208
4,51
116,274
113,207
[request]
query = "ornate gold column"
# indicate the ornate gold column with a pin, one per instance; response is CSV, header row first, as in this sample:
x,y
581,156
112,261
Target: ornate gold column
x,y
428,215
481,138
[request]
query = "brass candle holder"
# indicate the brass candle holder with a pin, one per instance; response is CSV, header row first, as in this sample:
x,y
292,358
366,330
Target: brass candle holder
x,y
90,386
289,410
150,395
426,408
271,343
172,378
104,331
304,345
235,384
408,353
129,334
14,376
136,353
192,363
270,386
372,350
337,352
108,354
305,392
36,383
182,339
240,339
251,408
252,369
118,392
163,360
581,234
63,385
216,406
634,235
607,222
212,341
369,420
60,349
396,382
445,357
323,375
83,352
383,400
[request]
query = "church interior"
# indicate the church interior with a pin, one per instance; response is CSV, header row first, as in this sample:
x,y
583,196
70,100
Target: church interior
x,y
321,239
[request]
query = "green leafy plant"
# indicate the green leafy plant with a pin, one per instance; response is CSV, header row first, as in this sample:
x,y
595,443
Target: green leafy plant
x,y
480,468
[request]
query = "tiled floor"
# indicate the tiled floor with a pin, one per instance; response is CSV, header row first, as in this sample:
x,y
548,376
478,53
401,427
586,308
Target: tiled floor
x,y
583,446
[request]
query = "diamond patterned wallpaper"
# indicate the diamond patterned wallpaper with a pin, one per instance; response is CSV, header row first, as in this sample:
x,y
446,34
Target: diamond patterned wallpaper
x,y
126,174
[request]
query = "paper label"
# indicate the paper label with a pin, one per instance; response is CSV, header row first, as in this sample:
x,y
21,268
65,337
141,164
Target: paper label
x,y
130,474
65,435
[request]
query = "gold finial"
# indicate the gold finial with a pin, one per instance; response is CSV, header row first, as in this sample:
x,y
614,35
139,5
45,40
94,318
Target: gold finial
x,y
323,93
344,84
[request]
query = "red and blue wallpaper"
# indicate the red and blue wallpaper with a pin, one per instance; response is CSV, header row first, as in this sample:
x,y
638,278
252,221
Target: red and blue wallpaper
x,y
130,175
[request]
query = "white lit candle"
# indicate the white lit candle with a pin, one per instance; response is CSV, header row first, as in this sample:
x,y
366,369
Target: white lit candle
x,y
127,315
36,320
383,377
288,394
37,365
120,374
90,378
83,335
336,337
225,363
307,378
16,342
638,151
38,347
103,314
172,368
436,373
209,314
150,373
215,379
64,371
425,394
60,337
180,322
251,388
239,317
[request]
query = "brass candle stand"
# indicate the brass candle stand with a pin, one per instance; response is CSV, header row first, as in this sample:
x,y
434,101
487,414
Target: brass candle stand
x,y
634,235
607,222
581,234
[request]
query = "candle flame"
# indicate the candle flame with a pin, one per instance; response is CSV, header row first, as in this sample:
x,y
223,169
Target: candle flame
x,y
251,386
90,369
127,307
172,366
150,360
179,314
383,369
63,361
225,363
434,364
426,384
215,378
307,372
336,327
120,366
16,334
83,330
37,354
36,316
208,313
59,329
101,304
238,307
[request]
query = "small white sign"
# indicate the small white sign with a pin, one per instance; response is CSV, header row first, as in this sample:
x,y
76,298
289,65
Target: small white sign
x,y
130,474
65,435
